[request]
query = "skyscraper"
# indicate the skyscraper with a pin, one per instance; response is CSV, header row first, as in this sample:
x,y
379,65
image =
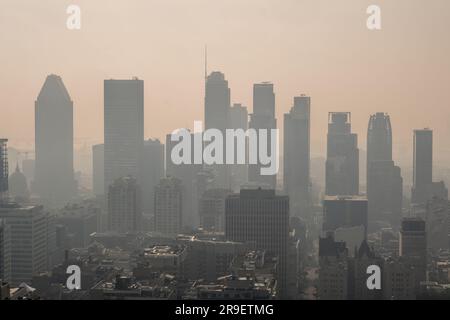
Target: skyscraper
x,y
212,209
261,217
169,206
152,172
3,170
413,246
263,118
342,165
187,174
54,177
28,241
98,169
217,116
423,165
124,205
238,120
124,129
297,155
384,181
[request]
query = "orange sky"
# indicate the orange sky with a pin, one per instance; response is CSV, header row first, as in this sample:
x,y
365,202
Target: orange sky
x,y
321,48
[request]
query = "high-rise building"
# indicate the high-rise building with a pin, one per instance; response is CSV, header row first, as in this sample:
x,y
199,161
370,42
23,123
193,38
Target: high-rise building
x,y
124,129
263,118
423,165
238,120
342,165
438,224
152,172
344,212
217,116
124,205
5,252
54,177
297,128
169,206
98,169
212,209
261,217
413,246
28,240
3,170
188,174
384,181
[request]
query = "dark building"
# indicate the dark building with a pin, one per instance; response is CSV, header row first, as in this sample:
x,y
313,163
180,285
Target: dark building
x,y
262,218
342,165
423,166
297,155
54,176
344,212
263,118
413,246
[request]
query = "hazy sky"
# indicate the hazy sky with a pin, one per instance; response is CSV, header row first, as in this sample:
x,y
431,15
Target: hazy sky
x,y
321,48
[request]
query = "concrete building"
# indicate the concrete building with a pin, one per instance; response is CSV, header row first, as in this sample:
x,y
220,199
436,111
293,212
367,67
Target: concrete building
x,y
124,205
29,240
169,206
261,217
342,164
438,224
124,129
423,166
297,183
263,118
54,176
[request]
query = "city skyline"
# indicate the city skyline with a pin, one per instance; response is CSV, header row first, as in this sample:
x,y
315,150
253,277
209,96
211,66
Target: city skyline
x,y
368,87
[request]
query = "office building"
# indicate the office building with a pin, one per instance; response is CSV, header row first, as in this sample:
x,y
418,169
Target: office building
x,y
212,209
344,212
98,169
54,176
342,165
152,172
169,206
297,127
238,120
124,129
263,118
3,170
423,166
124,205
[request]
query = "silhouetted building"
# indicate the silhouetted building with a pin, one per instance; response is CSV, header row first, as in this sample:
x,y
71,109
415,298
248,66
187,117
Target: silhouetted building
x,y
263,118
169,206
152,172
297,155
438,224
413,246
217,116
54,176
423,165
98,169
384,181
260,217
5,252
344,212
124,205
342,165
124,129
